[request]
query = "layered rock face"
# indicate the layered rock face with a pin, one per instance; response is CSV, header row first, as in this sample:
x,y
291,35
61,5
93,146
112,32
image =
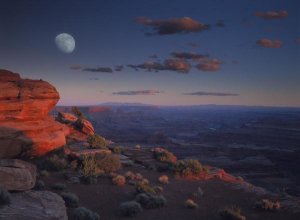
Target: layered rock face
x,y
26,129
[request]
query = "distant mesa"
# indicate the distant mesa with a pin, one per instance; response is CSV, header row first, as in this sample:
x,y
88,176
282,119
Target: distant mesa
x,y
26,129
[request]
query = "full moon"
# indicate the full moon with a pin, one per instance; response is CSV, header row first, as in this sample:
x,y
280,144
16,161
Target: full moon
x,y
65,42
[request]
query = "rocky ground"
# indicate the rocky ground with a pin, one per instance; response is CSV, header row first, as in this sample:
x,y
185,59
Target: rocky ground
x,y
43,160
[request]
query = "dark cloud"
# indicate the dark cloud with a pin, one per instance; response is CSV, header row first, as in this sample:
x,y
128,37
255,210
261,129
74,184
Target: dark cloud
x,y
148,65
188,55
173,25
202,93
211,65
154,56
298,41
119,68
76,67
272,14
99,69
193,45
267,43
173,64
138,92
220,23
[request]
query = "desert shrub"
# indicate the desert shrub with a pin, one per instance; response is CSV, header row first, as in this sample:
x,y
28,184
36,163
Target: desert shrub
x,y
82,213
39,185
139,176
144,188
199,192
57,163
117,149
119,180
144,181
90,167
130,209
96,141
4,197
232,213
158,189
164,179
59,186
109,163
268,205
130,175
44,173
150,201
164,155
74,164
70,199
76,111
189,203
189,168
138,147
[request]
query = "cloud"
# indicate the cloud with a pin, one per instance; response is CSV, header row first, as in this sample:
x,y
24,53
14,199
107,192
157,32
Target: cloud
x,y
138,92
211,65
172,26
272,14
188,55
99,69
220,23
148,65
178,65
119,68
193,45
267,43
298,41
202,93
76,67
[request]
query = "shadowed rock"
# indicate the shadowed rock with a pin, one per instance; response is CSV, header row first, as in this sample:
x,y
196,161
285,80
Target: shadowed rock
x,y
17,175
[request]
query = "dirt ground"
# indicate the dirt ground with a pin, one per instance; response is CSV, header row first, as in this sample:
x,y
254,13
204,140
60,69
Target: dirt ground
x,y
105,198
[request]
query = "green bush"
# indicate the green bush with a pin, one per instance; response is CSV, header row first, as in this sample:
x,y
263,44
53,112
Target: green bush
x,y
232,213
57,163
4,197
90,167
130,209
268,205
96,141
75,110
190,167
144,188
82,213
39,185
59,186
164,155
109,163
150,201
70,199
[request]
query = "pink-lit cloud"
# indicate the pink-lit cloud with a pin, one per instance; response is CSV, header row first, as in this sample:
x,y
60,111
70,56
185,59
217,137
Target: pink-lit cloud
x,y
209,65
272,14
267,43
173,25
203,93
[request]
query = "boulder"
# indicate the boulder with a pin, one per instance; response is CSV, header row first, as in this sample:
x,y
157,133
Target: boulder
x,y
17,175
34,205
66,118
25,125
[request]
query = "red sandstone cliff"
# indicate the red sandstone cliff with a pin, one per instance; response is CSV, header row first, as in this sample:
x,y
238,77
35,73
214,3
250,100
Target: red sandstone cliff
x,y
25,126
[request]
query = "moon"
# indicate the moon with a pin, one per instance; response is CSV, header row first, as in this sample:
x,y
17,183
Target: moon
x,y
65,42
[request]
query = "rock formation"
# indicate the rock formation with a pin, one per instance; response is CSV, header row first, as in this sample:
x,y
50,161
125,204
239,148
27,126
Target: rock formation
x,y
34,205
17,175
25,126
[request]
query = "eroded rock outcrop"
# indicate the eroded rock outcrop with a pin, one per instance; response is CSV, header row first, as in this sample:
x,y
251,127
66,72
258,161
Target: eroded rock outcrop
x,y
25,126
17,175
34,205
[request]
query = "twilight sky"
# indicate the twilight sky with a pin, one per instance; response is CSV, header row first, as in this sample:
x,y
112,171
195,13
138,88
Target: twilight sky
x,y
240,52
